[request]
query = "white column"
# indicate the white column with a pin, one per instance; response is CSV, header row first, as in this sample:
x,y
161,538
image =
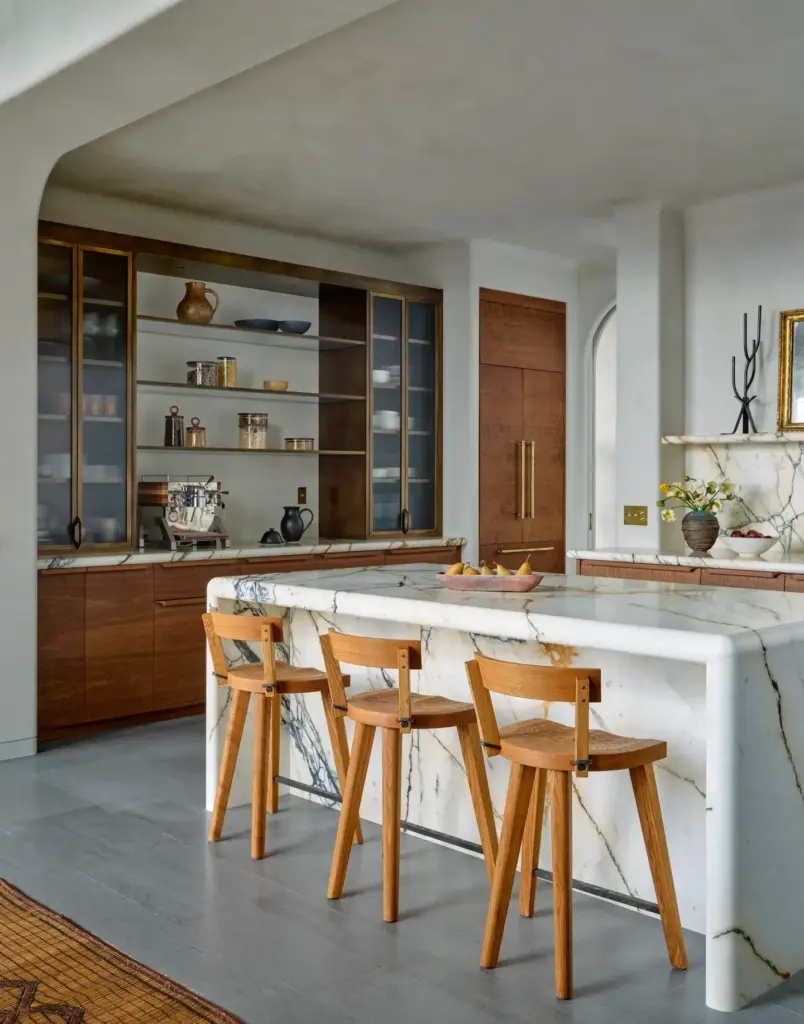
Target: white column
x,y
650,365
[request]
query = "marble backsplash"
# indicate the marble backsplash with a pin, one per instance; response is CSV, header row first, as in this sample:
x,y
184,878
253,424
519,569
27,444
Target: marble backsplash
x,y
768,481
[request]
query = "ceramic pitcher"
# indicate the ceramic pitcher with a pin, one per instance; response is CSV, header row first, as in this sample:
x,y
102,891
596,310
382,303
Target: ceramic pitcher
x,y
293,525
195,307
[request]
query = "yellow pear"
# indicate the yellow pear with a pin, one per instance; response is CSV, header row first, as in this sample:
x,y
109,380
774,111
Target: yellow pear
x,y
502,571
454,570
525,569
469,571
486,570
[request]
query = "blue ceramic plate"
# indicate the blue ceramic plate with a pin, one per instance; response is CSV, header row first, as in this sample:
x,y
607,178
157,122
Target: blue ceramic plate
x,y
259,325
294,326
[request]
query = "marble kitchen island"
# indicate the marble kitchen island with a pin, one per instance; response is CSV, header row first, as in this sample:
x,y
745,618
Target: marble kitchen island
x,y
717,673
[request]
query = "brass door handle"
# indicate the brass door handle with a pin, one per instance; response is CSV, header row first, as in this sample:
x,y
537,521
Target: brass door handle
x,y
524,551
532,514
520,447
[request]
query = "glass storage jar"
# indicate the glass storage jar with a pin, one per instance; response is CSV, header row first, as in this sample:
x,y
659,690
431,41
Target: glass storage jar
x,y
227,372
203,373
253,430
195,434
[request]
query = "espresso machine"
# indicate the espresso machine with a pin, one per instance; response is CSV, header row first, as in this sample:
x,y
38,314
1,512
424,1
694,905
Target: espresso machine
x,y
181,512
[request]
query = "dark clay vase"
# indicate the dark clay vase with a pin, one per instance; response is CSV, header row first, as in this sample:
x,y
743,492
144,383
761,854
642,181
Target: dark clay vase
x,y
701,530
293,526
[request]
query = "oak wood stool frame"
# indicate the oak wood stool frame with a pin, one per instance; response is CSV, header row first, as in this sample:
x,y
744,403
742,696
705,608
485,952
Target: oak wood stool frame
x,y
265,682
536,748
395,711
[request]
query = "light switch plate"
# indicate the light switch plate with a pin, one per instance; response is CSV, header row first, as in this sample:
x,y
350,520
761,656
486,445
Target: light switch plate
x,y
302,496
635,515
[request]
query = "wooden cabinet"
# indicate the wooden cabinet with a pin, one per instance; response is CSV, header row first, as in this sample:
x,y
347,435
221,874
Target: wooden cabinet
x,y
522,430
440,556
61,648
794,583
179,653
631,571
746,580
119,642
174,580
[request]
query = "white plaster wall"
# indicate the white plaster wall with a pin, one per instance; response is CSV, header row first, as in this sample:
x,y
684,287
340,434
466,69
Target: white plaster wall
x,y
741,252
604,474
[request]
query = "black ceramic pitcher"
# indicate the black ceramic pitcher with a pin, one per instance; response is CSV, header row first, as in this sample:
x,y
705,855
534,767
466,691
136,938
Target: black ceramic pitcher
x,y
293,526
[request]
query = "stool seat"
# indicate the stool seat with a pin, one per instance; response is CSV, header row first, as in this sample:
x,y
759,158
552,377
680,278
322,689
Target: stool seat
x,y
542,744
381,708
289,678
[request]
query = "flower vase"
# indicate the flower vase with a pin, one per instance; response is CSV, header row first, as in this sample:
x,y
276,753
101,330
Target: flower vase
x,y
701,530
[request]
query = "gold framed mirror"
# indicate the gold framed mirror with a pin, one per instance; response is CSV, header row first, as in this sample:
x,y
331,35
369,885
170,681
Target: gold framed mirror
x,y
791,370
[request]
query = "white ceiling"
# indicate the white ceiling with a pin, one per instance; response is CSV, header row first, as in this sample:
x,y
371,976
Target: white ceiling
x,y
518,120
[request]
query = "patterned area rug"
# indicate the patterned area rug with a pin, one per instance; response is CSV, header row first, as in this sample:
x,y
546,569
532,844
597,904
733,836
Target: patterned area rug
x,y
53,971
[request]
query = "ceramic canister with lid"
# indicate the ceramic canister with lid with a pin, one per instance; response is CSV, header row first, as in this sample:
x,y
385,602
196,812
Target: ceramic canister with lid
x,y
196,434
174,428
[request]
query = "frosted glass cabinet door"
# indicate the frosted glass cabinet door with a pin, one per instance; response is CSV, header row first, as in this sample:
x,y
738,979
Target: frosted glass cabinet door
x,y
104,318
421,383
386,414
56,503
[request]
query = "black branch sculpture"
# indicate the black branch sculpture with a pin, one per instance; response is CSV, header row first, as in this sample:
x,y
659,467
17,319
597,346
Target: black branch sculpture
x,y
745,420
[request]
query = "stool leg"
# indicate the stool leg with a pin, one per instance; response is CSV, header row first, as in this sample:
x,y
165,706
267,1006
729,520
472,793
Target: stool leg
x,y
231,747
340,751
531,844
350,811
391,821
275,722
259,774
520,786
479,788
646,795
561,822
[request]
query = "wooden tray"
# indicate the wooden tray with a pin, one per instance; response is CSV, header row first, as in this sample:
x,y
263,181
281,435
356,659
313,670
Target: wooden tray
x,y
498,584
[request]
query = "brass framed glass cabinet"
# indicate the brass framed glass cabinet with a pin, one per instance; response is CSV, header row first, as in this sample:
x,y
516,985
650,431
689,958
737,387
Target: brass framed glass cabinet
x,y
85,350
404,422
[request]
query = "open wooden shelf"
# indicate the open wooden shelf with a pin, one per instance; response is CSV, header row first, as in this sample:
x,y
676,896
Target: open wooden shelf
x,y
244,451
166,387
245,335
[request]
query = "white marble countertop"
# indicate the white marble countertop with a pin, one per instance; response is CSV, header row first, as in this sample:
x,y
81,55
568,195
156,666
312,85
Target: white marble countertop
x,y
775,561
243,550
687,623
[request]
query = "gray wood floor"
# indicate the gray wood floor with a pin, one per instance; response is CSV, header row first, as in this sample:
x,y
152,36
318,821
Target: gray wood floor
x,y
111,831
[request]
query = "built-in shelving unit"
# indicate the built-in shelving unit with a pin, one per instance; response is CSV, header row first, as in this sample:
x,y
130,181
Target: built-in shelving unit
x,y
246,335
244,451
169,387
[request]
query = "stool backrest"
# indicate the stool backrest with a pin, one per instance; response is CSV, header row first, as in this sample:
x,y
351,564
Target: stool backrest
x,y
254,629
402,655
578,686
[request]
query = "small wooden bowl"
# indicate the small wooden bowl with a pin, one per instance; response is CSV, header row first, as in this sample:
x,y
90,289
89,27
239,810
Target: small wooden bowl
x,y
275,385
494,584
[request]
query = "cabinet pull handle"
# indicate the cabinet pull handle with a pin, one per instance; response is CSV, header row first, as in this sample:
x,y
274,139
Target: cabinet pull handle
x,y
182,602
405,520
122,567
532,514
520,449
524,551
198,564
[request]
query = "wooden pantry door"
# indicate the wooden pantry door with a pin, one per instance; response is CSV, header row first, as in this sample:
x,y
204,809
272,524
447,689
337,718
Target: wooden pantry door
x,y
522,410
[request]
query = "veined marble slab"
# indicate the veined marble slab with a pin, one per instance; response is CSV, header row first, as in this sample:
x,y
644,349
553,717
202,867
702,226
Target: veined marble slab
x,y
319,547
715,672
775,561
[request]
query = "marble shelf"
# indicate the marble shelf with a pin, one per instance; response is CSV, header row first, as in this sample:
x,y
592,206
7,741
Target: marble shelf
x,y
716,673
728,439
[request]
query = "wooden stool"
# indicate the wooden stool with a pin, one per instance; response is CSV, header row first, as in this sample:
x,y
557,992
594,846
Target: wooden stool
x,y
535,747
266,680
395,711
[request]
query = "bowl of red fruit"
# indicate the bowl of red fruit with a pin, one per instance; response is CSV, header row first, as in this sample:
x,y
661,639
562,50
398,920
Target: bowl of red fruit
x,y
749,543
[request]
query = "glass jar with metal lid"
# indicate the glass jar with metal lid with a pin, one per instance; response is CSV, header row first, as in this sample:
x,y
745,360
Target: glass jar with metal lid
x,y
195,435
203,373
253,430
227,372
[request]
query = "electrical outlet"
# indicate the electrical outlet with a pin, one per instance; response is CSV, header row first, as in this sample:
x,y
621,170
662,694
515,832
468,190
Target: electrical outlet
x,y
302,496
635,515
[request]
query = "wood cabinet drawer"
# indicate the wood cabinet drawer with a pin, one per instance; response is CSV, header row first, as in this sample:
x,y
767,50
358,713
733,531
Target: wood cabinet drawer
x,y
179,653
189,579
745,580
544,556
349,559
794,583
409,556
631,571
281,563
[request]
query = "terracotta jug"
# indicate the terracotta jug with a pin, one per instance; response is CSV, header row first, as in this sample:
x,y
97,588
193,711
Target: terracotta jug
x,y
195,307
